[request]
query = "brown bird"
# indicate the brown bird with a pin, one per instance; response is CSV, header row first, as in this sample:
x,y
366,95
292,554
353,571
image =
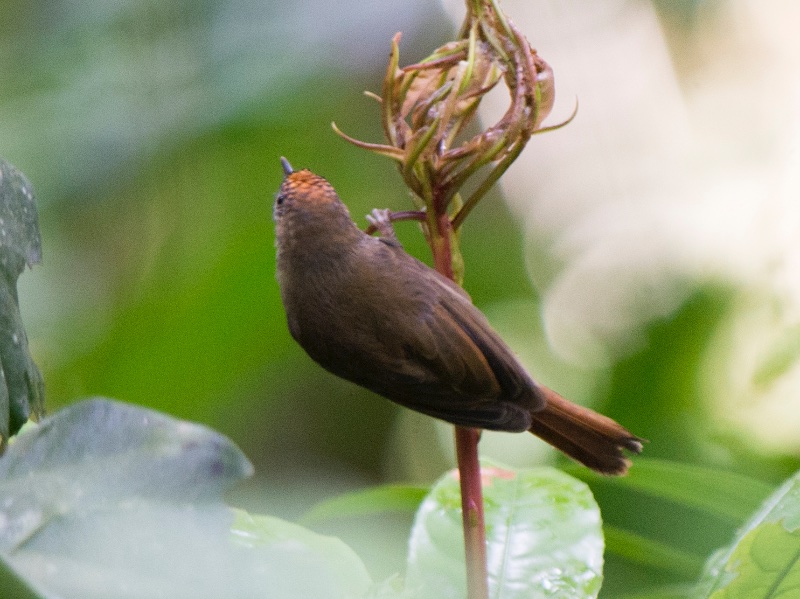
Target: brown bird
x,y
369,312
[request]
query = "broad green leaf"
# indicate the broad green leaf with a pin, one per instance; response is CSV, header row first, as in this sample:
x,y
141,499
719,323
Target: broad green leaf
x,y
386,498
764,559
107,500
21,386
544,538
340,563
765,562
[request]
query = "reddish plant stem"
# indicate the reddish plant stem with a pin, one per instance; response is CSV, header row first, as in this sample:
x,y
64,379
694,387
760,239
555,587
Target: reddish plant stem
x,y
469,470
469,467
440,246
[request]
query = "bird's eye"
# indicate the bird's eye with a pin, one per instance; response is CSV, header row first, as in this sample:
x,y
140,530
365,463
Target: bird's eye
x,y
279,199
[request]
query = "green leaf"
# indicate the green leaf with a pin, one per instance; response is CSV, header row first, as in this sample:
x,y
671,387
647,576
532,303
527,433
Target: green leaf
x,y
647,552
339,563
544,538
19,227
11,585
107,500
700,508
766,563
725,494
764,559
671,592
386,498
21,386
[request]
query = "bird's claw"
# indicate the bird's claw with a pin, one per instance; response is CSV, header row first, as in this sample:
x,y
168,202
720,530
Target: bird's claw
x,y
381,219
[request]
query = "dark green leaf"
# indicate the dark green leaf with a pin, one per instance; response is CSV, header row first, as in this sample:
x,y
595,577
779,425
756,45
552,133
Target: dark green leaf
x,y
544,538
11,585
107,500
647,552
21,386
671,592
19,220
386,498
677,515
731,496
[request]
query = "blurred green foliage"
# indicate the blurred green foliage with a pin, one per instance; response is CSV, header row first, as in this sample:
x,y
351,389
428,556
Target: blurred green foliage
x,y
107,499
158,284
152,130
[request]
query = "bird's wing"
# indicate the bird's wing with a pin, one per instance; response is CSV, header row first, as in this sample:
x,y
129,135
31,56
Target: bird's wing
x,y
444,358
515,383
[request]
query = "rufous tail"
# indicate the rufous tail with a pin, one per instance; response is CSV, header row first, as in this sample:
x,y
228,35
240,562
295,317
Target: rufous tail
x,y
592,439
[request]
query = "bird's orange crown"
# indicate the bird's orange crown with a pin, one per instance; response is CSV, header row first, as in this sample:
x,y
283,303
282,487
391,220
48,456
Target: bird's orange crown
x,y
312,188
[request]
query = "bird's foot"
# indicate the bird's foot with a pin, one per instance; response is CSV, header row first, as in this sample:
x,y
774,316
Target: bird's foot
x,y
381,219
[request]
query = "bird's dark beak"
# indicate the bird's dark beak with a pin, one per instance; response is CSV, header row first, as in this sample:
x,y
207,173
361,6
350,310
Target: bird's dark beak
x,y
287,168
